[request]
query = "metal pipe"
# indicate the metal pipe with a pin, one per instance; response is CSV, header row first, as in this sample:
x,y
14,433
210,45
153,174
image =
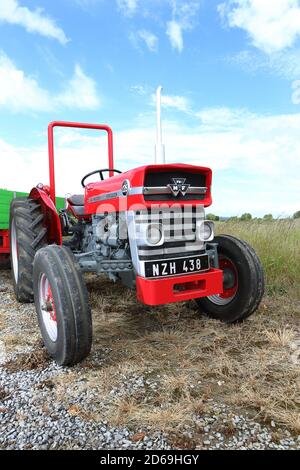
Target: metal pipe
x,y
76,125
159,147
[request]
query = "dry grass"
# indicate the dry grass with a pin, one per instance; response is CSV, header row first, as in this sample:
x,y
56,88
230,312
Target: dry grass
x,y
189,361
17,341
38,359
283,337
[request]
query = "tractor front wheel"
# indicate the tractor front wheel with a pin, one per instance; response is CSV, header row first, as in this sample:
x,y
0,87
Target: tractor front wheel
x,y
243,282
62,305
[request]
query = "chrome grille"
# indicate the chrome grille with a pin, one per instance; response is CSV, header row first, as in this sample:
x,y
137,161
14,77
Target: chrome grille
x,y
179,227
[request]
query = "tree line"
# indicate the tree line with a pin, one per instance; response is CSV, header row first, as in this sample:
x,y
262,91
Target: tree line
x,y
247,217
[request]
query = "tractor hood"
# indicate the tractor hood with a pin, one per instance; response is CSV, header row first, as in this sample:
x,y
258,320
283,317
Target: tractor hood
x,y
148,185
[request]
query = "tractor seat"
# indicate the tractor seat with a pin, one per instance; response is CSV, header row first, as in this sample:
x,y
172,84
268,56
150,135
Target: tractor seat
x,y
77,203
76,200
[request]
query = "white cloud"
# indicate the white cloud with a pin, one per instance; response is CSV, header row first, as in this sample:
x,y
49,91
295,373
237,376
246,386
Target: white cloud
x,y
255,158
296,92
128,7
80,92
220,119
21,93
149,38
186,11
139,89
272,25
183,18
180,103
174,32
33,21
184,14
284,64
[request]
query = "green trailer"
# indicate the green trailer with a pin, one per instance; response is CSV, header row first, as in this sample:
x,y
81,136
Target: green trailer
x,y
6,197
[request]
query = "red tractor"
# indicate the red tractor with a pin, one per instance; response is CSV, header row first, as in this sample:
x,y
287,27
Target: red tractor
x,y
145,227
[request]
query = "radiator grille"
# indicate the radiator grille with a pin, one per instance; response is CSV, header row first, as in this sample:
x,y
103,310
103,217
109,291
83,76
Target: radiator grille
x,y
179,227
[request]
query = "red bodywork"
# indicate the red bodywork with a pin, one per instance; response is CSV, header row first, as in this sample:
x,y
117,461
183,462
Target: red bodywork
x,y
178,289
150,292
136,178
54,232
4,245
77,125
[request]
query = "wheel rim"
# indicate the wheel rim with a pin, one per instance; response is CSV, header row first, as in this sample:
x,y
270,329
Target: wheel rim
x,y
230,283
14,251
47,307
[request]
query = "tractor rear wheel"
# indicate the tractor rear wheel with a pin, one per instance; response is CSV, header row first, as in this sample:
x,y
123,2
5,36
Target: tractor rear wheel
x,y
62,305
27,235
243,282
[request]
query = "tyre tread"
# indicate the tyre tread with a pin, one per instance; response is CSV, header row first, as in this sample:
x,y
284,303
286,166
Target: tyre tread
x,y
73,294
31,235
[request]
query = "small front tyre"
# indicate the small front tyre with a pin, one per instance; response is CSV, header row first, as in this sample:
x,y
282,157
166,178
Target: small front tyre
x,y
243,282
62,305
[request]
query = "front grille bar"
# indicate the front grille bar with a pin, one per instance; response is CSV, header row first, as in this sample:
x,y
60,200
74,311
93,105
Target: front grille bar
x,y
149,191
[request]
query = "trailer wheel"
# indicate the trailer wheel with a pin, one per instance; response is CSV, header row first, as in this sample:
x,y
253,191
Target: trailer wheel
x,y
27,235
243,282
62,305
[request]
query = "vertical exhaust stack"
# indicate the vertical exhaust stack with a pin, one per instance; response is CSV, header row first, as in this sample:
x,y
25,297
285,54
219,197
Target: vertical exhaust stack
x,y
159,147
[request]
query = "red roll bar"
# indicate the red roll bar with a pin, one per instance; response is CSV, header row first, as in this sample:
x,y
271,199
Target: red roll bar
x,y
77,125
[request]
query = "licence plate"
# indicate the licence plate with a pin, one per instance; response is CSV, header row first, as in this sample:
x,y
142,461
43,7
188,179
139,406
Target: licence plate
x,y
174,267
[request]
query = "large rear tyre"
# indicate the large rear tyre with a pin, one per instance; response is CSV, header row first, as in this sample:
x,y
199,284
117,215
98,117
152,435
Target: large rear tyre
x,y
243,282
28,234
62,305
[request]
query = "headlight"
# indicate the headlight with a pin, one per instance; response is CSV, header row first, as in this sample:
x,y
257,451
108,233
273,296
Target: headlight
x,y
150,235
205,231
154,234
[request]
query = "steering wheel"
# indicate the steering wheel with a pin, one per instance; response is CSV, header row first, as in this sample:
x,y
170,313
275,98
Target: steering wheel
x,y
100,172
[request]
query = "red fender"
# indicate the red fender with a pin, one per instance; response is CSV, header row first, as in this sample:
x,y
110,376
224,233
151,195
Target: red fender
x,y
4,243
53,225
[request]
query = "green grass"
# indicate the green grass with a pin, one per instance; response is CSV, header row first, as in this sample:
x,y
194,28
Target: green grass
x,y
277,243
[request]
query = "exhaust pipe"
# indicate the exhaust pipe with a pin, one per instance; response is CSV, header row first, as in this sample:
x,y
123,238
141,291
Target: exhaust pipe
x,y
160,157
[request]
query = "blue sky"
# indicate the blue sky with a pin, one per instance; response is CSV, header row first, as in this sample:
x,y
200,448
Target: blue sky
x,y
231,76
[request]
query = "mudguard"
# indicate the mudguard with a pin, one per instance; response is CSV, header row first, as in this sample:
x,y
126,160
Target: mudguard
x,y
42,193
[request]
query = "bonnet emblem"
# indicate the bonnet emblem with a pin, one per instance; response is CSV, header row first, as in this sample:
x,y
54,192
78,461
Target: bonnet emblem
x,y
179,186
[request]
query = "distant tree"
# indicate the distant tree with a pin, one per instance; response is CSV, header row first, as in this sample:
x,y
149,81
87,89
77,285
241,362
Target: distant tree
x,y
213,217
246,217
233,219
296,215
268,217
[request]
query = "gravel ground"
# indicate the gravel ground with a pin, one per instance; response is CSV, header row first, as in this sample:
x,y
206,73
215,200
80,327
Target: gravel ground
x,y
31,419
33,416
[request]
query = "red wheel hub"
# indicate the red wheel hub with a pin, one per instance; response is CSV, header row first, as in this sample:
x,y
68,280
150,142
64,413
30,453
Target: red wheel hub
x,y
50,304
230,282
47,308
